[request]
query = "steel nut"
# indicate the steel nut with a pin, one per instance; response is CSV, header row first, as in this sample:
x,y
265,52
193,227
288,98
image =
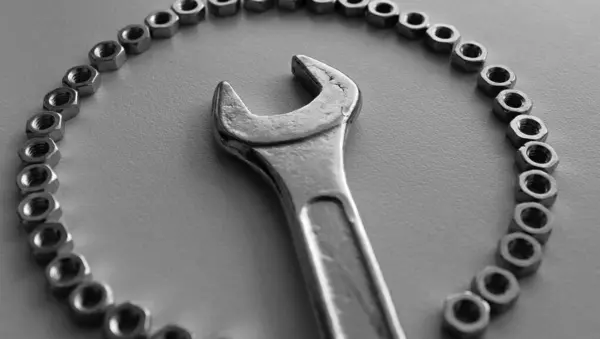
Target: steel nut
x,y
290,5
45,124
49,241
536,155
40,150
510,103
525,128
38,208
135,39
413,25
468,56
441,38
65,272
533,219
321,6
519,253
63,100
493,79
172,331
85,79
126,321
162,24
382,13
107,56
37,178
465,315
258,6
190,12
89,302
497,286
537,186
223,8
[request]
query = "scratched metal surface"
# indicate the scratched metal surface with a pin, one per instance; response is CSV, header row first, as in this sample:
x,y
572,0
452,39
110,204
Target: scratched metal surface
x,y
173,223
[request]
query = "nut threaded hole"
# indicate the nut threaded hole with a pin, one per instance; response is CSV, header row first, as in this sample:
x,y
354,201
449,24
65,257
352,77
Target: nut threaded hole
x,y
36,206
514,100
105,50
37,149
43,121
133,33
48,237
161,18
444,32
496,283
66,269
127,320
91,295
384,8
80,75
539,154
529,126
534,217
467,311
521,248
174,334
188,5
415,19
538,183
35,176
60,97
471,50
354,2
498,74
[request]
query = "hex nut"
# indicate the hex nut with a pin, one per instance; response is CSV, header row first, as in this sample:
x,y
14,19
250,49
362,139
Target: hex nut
x,y
519,253
321,6
441,38
40,150
537,186
497,286
63,100
525,128
413,25
190,12
290,5
45,124
89,302
65,272
468,56
223,8
126,321
493,79
465,315
509,103
258,6
382,13
172,331
536,155
49,241
107,56
135,39
37,178
532,219
38,208
162,24
85,79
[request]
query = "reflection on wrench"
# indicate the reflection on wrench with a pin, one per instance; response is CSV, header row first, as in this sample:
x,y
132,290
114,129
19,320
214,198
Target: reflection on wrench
x,y
301,153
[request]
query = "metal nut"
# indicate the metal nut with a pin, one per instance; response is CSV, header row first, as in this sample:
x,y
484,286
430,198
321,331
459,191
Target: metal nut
x,y
533,219
63,100
519,253
258,6
126,321
537,186
190,12
536,155
37,178
382,13
107,56
45,124
413,25
465,315
135,39
172,331
162,24
494,79
89,302
290,5
441,38
49,241
38,208
468,56
85,79
497,286
65,272
40,150
223,8
511,102
321,6
525,128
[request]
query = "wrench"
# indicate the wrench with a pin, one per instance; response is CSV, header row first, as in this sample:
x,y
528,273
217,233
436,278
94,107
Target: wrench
x,y
301,154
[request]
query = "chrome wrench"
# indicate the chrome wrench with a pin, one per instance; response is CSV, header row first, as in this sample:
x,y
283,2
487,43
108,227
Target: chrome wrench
x,y
301,154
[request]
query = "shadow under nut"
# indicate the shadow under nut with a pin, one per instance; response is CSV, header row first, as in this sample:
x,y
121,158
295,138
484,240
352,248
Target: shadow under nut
x,y
107,56
65,272
135,39
441,38
519,253
465,315
537,186
223,8
89,302
413,25
493,79
498,286
162,24
85,79
382,14
37,178
190,12
468,56
63,100
48,241
126,321
38,208
536,155
532,219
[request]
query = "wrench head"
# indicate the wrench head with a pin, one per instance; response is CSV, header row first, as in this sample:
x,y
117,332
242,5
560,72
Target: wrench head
x,y
337,102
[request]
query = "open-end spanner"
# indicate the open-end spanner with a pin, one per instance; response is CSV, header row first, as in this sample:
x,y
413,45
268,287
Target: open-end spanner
x,y
301,153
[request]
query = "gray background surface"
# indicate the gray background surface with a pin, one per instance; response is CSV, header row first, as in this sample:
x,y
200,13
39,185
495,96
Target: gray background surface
x,y
174,224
